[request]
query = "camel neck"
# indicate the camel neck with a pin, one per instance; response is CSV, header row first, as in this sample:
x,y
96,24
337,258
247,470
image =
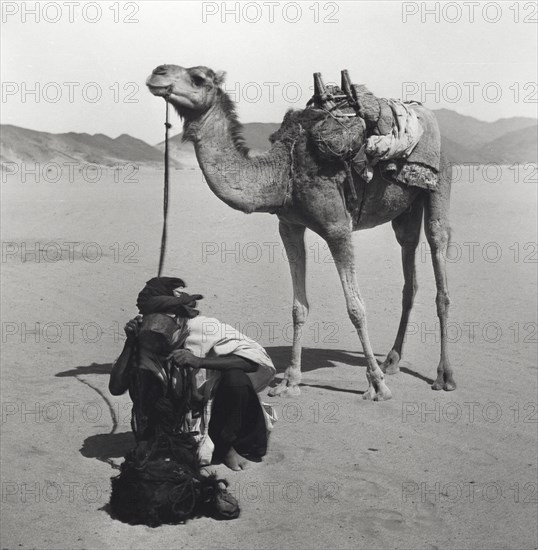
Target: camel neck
x,y
244,182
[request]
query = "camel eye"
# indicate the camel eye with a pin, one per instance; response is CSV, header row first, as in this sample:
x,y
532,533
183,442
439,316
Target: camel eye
x,y
198,80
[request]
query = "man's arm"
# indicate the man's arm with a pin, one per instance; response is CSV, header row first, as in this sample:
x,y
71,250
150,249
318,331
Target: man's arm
x,y
119,376
228,362
184,358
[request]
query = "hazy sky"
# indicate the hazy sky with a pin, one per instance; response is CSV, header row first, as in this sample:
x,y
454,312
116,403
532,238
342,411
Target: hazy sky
x,y
87,61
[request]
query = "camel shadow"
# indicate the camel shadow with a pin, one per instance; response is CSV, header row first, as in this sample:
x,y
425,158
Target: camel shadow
x,y
407,370
314,358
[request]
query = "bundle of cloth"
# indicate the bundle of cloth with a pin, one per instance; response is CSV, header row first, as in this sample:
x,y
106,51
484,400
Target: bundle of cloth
x,y
401,138
158,296
161,481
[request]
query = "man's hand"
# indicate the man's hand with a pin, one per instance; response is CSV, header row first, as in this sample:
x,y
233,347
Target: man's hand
x,y
184,358
131,328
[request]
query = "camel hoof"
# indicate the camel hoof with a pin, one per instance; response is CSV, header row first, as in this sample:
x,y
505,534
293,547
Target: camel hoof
x,y
277,390
284,390
391,364
291,391
390,368
444,383
383,393
369,394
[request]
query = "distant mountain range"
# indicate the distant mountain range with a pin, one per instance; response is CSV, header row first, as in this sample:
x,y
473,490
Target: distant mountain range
x,y
21,145
505,141
465,140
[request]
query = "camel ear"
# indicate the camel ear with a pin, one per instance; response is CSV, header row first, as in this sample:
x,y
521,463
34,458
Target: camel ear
x,y
219,77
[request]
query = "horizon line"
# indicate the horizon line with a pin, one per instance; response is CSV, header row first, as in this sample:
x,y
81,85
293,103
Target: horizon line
x,y
243,124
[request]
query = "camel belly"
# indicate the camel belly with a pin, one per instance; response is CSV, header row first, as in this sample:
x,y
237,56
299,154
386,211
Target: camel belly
x,y
320,204
383,201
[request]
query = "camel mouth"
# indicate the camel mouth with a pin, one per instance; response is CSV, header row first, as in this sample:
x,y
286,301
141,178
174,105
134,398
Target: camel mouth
x,y
159,85
160,91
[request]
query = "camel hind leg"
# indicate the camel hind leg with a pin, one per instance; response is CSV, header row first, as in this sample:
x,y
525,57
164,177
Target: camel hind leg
x,y
437,229
407,229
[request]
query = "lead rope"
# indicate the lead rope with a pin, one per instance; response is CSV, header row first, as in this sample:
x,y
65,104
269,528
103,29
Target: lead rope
x,y
165,200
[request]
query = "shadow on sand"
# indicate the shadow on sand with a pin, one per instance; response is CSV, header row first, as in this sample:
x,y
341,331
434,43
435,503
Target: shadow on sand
x,y
105,447
94,368
313,359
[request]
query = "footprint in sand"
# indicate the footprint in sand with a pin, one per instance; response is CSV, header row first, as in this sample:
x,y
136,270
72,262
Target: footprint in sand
x,y
388,519
368,488
485,459
425,517
273,457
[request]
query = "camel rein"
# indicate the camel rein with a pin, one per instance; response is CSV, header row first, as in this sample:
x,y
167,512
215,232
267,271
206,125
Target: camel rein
x,y
166,185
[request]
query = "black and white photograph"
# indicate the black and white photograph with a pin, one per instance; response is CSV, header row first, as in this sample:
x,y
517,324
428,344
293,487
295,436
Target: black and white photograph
x,y
269,275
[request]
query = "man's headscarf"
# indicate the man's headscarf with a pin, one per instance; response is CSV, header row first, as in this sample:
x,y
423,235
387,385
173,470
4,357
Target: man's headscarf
x,y
158,297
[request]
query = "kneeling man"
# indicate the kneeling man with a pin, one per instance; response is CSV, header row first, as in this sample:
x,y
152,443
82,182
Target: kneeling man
x,y
205,372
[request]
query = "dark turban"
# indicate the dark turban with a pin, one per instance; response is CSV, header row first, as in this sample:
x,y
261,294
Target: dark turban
x,y
158,297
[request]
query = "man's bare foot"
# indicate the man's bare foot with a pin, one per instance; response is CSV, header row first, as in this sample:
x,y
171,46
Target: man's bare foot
x,y
235,461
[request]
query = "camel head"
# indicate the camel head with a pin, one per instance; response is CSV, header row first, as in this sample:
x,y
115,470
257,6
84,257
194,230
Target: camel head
x,y
191,91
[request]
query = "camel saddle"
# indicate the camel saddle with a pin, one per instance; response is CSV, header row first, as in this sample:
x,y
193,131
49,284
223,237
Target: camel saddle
x,y
401,138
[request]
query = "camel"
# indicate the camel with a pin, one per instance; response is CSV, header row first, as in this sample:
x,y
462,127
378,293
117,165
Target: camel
x,y
289,180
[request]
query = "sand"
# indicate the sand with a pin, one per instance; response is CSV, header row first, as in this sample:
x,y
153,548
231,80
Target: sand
x,y
425,470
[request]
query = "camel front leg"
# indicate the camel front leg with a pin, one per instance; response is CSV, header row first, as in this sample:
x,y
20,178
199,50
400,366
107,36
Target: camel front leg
x,y
341,248
293,238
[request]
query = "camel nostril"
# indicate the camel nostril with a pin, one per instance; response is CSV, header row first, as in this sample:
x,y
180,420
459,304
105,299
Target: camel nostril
x,y
161,69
